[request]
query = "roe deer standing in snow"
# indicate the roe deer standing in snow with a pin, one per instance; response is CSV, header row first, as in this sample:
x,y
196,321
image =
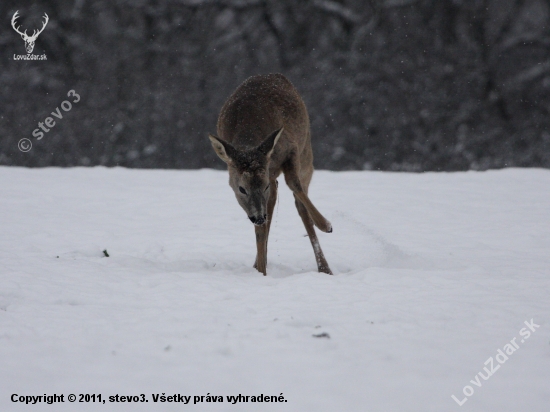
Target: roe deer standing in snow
x,y
263,130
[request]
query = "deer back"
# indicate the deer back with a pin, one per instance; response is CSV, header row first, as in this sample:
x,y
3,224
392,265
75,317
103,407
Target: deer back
x,y
259,106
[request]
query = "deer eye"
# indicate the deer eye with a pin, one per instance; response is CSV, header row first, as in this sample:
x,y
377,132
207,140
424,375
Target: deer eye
x,y
241,189
265,190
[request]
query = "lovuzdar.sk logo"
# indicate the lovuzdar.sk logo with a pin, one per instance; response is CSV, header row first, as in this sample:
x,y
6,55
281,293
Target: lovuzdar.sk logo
x,y
29,40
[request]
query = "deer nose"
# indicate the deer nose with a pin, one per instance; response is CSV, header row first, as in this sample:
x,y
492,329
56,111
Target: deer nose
x,y
258,221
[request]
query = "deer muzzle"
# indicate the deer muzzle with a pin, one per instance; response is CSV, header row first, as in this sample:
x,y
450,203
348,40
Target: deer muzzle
x,y
258,221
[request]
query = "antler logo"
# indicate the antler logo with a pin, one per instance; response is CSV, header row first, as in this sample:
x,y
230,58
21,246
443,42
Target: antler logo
x,y
29,40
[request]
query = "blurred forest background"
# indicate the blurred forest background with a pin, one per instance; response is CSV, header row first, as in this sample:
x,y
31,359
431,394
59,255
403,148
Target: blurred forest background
x,y
409,85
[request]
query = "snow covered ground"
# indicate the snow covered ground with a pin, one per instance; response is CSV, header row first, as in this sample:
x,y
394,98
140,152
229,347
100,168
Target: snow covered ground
x,y
434,273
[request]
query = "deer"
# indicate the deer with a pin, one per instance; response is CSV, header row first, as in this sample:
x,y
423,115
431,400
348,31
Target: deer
x,y
263,130
29,40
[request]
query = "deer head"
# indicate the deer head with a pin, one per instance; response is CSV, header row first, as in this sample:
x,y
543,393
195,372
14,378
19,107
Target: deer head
x,y
249,174
29,40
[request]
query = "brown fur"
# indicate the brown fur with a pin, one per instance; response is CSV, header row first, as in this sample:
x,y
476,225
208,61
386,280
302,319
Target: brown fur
x,y
263,131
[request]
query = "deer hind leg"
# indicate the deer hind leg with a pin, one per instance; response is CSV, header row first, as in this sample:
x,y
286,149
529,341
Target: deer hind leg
x,y
293,181
273,186
262,232
322,264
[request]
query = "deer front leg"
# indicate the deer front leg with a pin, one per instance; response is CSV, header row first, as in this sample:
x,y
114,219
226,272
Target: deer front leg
x,y
261,248
270,208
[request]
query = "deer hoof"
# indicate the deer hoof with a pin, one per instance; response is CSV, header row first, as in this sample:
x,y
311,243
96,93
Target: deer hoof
x,y
326,270
260,269
325,227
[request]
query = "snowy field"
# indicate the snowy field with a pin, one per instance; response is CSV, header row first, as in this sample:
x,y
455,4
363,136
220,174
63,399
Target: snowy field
x,y
434,274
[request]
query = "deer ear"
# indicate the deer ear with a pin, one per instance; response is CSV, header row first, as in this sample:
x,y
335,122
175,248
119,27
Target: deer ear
x,y
222,149
267,146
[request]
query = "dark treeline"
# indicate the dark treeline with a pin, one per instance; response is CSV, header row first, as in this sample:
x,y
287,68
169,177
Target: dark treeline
x,y
390,84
